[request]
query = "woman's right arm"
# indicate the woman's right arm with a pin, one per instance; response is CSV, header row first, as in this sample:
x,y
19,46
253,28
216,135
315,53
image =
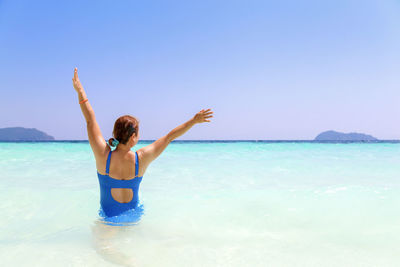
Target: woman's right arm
x,y
152,151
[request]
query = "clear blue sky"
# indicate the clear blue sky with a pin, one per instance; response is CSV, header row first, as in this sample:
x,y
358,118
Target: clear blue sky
x,y
269,69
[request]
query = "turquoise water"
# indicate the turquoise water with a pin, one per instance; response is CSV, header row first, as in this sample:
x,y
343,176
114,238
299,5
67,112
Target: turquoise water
x,y
207,204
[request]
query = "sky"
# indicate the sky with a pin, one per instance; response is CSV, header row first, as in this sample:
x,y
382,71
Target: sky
x,y
270,70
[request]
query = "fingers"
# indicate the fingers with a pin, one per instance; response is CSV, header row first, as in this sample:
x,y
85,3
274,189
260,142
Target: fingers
x,y
206,111
206,114
75,73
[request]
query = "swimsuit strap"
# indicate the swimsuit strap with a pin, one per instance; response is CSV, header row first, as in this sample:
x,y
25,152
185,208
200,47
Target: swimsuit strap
x,y
136,164
108,163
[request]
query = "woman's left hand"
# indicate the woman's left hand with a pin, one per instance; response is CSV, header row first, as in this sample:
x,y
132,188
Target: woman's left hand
x,y
202,116
76,83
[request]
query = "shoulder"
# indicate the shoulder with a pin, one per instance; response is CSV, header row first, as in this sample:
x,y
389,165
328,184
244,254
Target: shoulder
x,y
101,159
103,153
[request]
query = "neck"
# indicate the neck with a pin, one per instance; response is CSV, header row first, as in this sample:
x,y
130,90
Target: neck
x,y
123,148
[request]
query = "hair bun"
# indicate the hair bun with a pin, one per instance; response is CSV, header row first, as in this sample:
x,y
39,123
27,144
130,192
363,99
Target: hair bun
x,y
113,142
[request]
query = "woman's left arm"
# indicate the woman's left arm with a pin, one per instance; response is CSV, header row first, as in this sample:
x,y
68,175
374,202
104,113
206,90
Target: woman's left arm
x,y
96,139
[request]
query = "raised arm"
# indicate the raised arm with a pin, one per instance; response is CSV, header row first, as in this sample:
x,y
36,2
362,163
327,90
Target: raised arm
x,y
96,139
152,151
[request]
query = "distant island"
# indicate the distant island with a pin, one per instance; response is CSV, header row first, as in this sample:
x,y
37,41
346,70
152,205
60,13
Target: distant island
x,y
336,136
23,134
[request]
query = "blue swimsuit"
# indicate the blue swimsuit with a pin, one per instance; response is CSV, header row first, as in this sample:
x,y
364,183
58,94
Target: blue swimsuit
x,y
109,205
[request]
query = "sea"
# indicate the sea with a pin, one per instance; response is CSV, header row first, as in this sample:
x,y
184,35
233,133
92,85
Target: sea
x,y
207,203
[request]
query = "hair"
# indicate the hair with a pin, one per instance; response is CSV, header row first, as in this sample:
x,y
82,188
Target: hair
x,y
124,128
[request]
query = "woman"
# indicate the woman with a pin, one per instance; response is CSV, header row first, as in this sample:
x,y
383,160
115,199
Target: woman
x,y
120,171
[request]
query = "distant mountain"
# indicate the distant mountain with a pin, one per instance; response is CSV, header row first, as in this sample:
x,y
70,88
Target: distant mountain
x,y
336,136
23,134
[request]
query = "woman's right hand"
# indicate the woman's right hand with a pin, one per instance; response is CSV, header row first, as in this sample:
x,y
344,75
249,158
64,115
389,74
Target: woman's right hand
x,y
203,116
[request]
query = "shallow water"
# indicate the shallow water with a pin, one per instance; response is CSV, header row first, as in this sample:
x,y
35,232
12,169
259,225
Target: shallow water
x,y
207,204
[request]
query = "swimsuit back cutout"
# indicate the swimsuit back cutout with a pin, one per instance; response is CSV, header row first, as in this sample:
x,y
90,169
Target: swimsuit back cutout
x,y
110,206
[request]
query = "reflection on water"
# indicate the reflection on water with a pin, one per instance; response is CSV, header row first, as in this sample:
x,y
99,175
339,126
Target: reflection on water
x,y
110,233
107,241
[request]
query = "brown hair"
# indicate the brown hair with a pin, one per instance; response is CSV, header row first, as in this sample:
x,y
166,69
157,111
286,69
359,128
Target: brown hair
x,y
124,127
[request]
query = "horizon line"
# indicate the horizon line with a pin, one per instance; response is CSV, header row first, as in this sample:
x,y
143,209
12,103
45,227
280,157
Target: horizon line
x,y
218,140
